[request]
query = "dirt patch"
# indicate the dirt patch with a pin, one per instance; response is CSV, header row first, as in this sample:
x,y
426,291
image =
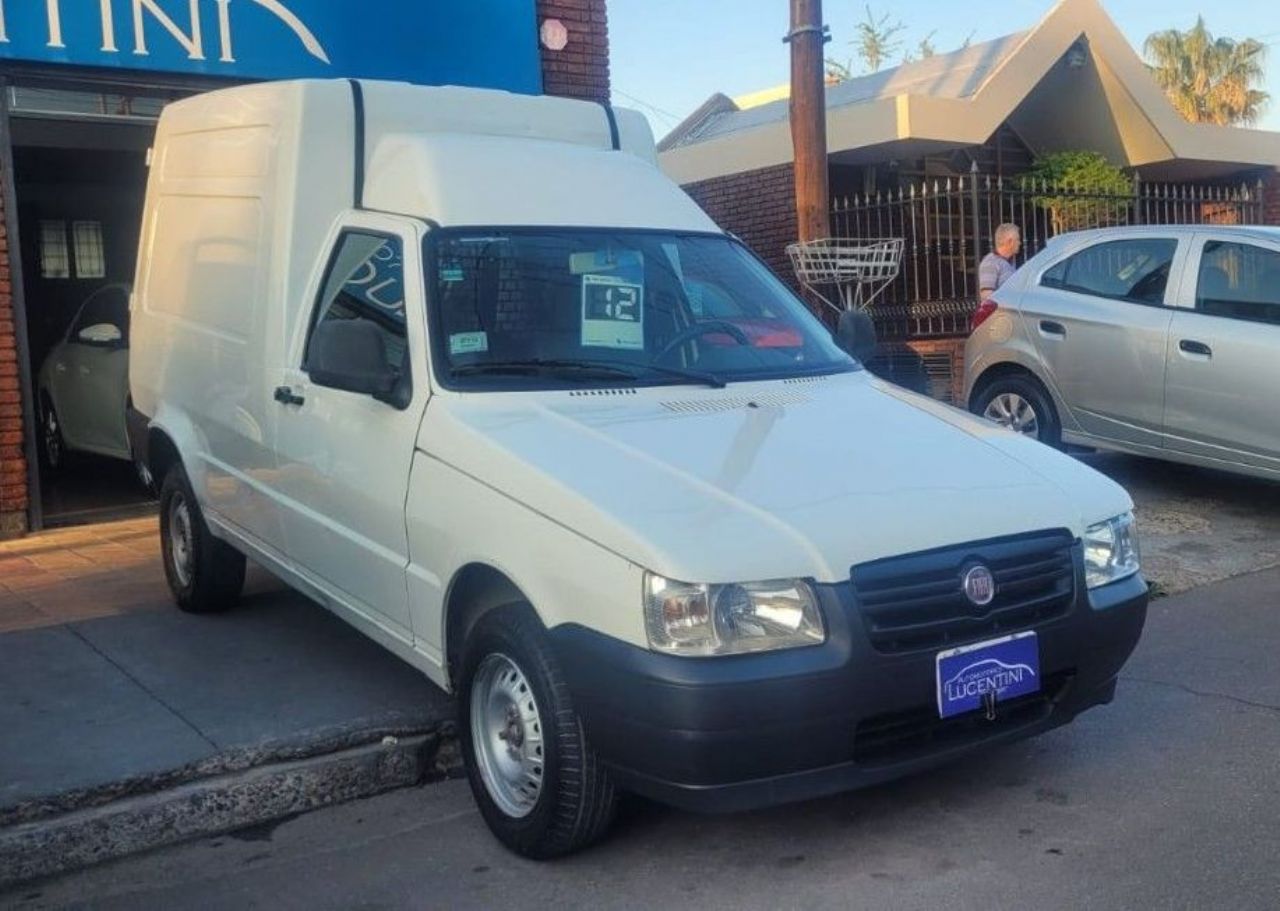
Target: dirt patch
x,y
1196,525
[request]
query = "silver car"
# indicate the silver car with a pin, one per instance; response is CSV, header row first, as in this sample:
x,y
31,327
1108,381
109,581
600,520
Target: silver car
x,y
1158,341
84,382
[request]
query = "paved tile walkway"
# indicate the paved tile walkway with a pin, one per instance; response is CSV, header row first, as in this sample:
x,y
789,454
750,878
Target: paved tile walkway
x,y
86,572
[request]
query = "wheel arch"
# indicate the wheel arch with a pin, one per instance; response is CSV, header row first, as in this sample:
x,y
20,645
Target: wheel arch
x,y
475,590
1004,369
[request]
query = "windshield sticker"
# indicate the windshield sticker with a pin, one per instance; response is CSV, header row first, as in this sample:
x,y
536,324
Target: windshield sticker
x,y
452,274
468,342
612,299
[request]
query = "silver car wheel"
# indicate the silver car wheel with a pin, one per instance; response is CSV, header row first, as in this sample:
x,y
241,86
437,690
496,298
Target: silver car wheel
x,y
1008,409
506,734
181,545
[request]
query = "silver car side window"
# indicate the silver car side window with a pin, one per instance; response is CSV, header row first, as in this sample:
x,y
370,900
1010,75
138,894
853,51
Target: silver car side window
x,y
1239,281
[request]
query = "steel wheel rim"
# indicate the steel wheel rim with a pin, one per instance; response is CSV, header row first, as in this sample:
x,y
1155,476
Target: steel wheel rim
x,y
1008,409
180,543
52,437
506,735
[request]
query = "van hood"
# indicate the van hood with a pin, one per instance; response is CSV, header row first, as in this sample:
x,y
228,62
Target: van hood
x,y
801,478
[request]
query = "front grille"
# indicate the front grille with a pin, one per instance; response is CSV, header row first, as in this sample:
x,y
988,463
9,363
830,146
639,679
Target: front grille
x,y
918,601
903,736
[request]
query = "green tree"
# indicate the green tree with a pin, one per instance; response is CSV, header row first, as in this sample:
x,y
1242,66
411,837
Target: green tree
x,y
1080,190
1208,79
877,40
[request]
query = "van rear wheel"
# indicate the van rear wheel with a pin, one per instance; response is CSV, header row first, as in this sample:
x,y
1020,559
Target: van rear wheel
x,y
540,787
205,575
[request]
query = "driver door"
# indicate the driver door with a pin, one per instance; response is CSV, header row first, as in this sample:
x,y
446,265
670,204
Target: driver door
x,y
344,457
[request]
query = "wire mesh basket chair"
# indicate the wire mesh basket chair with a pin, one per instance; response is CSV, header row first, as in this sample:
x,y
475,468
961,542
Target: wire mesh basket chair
x,y
857,271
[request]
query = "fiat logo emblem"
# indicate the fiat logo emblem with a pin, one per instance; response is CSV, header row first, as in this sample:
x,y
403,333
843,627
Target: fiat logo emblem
x,y
979,586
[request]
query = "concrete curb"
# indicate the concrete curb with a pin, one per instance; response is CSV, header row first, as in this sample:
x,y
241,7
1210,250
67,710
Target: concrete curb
x,y
222,803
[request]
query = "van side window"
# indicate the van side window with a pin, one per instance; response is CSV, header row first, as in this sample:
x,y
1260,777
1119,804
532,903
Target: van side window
x,y
1239,281
1134,270
365,281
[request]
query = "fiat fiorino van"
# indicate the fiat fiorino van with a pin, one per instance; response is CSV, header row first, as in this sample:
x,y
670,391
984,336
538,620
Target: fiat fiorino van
x,y
468,370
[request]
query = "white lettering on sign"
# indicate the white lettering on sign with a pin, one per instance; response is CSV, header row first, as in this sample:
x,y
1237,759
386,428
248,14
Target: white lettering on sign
x,y
108,27
190,39
192,43
54,12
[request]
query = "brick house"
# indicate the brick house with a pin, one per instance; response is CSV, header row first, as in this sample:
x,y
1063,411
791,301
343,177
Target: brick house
x,y
958,130
80,88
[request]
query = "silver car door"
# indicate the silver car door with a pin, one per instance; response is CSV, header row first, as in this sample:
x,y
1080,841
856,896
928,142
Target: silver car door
x,y
1224,354
1099,320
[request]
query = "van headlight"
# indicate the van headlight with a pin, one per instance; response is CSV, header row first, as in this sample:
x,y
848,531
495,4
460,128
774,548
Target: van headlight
x,y
704,620
1111,551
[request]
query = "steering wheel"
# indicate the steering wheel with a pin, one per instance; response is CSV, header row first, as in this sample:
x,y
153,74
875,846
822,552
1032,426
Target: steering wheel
x,y
703,327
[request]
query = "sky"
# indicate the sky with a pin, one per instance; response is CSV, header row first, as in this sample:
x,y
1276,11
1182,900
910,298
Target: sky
x,y
669,56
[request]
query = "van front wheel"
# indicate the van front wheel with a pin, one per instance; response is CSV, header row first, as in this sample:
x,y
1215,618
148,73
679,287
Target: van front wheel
x,y
540,787
205,575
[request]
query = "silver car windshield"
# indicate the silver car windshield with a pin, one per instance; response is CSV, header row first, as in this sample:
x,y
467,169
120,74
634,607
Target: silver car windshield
x,y
552,307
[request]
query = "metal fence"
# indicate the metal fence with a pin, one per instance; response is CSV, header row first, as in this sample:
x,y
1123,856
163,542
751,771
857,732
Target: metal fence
x,y
947,227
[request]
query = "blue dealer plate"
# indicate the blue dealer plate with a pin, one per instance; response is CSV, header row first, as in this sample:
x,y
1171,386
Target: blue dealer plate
x,y
1007,668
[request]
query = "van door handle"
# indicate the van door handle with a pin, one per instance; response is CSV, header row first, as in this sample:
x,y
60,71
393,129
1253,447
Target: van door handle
x,y
286,396
1199,349
1049,327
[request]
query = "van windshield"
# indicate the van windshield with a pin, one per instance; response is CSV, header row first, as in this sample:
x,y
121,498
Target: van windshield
x,y
549,308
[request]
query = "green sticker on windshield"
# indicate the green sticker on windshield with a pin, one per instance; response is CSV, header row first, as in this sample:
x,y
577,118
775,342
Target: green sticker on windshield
x,y
452,274
468,342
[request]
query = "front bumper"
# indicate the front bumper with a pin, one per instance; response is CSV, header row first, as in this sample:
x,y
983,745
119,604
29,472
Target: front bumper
x,y
736,733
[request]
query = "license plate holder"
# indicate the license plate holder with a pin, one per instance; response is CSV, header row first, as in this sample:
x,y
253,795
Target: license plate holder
x,y
987,673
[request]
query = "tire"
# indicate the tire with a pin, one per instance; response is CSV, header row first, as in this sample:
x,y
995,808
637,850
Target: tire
x,y
53,448
999,399
205,575
507,657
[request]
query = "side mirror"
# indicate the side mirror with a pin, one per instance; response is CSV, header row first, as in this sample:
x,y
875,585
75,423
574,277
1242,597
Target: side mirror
x,y
351,355
856,334
101,334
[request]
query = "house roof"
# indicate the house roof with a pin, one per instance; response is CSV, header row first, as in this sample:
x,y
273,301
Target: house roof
x,y
1073,81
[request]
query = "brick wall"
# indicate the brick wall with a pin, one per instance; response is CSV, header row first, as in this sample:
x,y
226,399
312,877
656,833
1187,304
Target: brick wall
x,y
13,465
759,207
581,69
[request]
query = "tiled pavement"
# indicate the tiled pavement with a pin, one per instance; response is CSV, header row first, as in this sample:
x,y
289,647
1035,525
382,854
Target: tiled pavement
x,y
105,682
87,572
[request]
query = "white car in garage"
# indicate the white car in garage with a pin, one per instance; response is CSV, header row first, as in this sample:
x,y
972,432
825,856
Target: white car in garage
x,y
84,382
1159,341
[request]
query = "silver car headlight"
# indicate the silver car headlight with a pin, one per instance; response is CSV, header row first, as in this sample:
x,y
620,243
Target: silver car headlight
x,y
1111,551
705,620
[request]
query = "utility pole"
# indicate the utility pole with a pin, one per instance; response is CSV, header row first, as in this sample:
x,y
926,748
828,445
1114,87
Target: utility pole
x,y
809,118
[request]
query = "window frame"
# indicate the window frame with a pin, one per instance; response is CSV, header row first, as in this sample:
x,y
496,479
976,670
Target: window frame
x,y
1197,265
66,250
74,249
1169,287
330,262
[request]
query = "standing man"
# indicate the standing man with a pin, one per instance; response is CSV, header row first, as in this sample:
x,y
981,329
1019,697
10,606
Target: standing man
x,y
997,267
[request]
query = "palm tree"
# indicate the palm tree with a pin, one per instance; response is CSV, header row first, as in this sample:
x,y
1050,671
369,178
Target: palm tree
x,y
1208,79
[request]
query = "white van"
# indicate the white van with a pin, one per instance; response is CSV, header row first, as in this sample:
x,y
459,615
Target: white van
x,y
465,368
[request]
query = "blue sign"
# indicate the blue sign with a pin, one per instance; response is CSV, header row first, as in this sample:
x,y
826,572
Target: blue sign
x,y
989,672
484,43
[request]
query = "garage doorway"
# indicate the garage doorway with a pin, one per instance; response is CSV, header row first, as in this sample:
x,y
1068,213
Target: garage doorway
x,y
80,170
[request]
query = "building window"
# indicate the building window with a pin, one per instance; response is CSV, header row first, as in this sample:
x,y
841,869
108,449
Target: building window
x,y
91,257
55,258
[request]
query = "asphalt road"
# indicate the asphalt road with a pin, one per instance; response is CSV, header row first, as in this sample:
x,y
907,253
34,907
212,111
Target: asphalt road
x,y
1169,798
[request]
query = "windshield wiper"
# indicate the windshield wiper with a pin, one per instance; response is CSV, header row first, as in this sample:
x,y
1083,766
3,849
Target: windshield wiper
x,y
581,368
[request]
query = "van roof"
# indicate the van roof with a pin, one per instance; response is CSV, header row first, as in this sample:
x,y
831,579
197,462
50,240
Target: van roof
x,y
458,156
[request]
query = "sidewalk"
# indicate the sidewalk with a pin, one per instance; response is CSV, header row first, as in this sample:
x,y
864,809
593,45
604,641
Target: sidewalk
x,y
113,703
